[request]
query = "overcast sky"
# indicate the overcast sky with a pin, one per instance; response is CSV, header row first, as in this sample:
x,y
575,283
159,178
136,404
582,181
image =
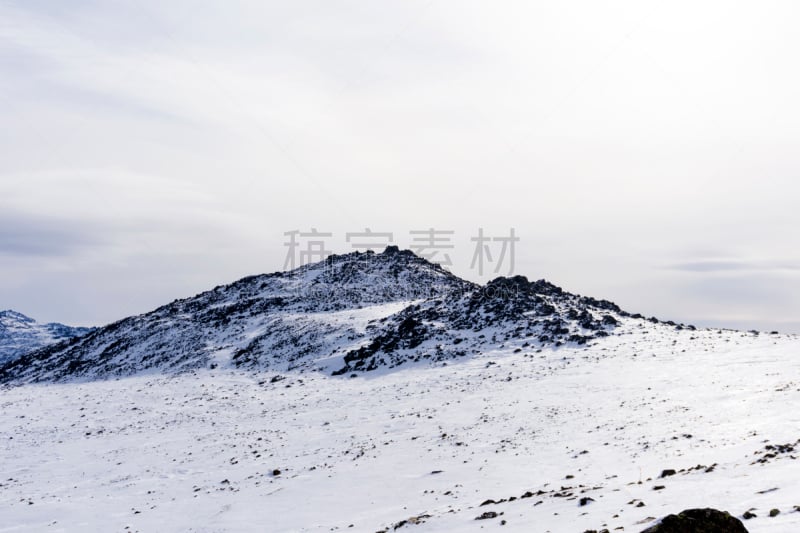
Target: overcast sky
x,y
643,152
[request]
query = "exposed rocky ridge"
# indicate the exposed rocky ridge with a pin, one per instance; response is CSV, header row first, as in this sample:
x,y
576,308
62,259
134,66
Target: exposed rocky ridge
x,y
20,334
534,314
353,312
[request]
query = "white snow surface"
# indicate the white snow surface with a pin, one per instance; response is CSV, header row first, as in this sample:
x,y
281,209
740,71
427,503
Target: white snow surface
x,y
425,443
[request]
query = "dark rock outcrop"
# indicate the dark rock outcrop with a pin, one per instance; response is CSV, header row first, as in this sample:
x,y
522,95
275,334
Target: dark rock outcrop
x,y
698,521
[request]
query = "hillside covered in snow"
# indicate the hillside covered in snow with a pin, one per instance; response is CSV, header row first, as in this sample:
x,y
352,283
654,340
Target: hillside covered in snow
x,y
378,392
20,334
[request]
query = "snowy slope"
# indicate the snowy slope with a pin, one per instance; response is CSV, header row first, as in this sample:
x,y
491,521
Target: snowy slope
x,y
534,431
20,334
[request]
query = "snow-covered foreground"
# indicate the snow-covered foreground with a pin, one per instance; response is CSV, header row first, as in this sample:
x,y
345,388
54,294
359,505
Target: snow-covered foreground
x,y
223,450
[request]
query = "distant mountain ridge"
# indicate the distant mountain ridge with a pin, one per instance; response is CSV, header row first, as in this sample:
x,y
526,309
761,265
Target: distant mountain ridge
x,y
351,313
20,334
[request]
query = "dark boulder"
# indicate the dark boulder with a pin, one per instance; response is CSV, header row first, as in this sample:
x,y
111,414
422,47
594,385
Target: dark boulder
x,y
698,521
609,320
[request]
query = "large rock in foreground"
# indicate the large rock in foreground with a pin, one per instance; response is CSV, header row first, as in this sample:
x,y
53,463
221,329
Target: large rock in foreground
x,y
698,521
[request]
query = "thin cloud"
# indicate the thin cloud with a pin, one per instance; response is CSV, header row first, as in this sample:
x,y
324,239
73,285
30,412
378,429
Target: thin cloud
x,y
719,266
25,235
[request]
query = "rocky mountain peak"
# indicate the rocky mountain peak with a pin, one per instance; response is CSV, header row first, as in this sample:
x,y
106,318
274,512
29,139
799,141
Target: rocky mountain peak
x,y
353,312
9,315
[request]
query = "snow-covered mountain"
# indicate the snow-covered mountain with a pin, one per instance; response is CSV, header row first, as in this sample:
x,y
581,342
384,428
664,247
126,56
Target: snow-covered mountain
x,y
351,313
378,392
20,334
